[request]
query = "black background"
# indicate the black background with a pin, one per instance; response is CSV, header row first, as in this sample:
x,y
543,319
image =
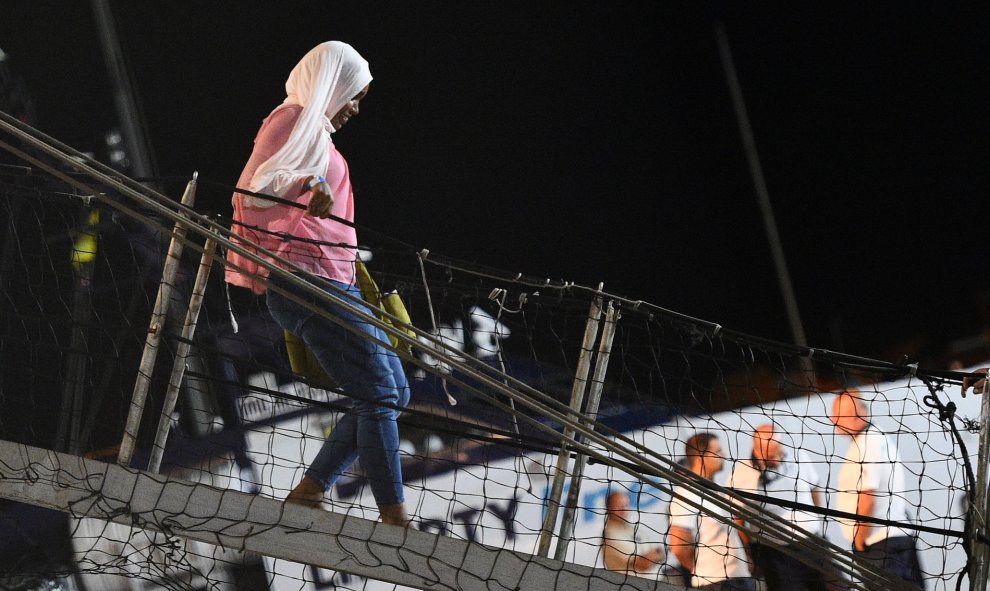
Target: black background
x,y
596,142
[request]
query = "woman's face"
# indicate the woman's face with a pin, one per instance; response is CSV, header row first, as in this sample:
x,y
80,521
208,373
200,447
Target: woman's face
x,y
350,109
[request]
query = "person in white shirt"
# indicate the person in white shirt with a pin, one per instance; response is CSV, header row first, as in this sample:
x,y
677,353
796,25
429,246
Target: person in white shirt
x,y
775,471
705,545
624,550
872,483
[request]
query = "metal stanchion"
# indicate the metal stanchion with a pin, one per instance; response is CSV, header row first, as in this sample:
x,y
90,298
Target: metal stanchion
x,y
591,414
154,337
979,549
181,353
577,399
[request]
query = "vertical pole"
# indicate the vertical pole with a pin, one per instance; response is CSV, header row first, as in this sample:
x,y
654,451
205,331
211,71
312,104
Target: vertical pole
x,y
155,328
124,97
979,506
181,353
762,194
84,247
594,400
577,399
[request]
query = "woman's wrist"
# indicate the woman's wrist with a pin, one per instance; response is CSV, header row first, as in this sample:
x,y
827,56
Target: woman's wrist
x,y
314,180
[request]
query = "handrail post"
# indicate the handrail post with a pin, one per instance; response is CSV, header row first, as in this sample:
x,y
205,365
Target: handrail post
x,y
181,353
155,329
591,415
979,509
577,400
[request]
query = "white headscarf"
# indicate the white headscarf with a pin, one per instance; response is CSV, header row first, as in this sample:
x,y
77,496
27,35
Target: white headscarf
x,y
323,81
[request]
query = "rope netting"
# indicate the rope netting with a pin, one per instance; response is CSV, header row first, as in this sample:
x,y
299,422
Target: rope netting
x,y
521,408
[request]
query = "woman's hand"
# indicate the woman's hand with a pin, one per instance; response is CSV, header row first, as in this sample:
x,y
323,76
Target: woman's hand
x,y
979,385
320,200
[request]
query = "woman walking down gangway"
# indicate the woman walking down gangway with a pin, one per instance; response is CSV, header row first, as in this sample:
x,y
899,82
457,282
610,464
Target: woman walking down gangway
x,y
294,158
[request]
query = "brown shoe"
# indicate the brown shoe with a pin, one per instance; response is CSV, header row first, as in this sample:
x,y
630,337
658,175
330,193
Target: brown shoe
x,y
395,514
308,492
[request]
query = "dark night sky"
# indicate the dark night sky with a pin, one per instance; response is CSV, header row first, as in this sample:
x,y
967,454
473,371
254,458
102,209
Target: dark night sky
x,y
596,141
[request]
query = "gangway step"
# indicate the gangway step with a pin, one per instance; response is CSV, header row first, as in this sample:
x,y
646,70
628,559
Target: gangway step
x,y
253,523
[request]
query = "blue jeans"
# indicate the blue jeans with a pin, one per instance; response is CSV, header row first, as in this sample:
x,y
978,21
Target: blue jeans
x,y
367,372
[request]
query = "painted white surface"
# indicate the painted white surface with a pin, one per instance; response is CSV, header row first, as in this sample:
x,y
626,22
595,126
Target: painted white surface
x,y
469,500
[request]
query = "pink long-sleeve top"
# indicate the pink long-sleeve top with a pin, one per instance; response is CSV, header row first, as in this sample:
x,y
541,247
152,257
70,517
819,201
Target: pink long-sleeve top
x,y
324,260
